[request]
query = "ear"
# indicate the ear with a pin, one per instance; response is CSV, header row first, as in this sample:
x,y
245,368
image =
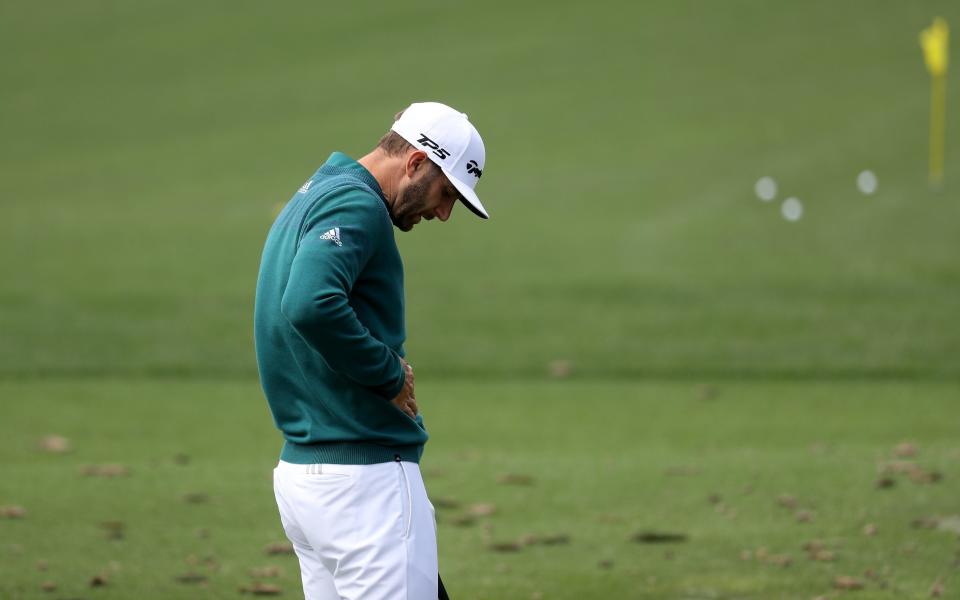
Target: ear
x,y
415,160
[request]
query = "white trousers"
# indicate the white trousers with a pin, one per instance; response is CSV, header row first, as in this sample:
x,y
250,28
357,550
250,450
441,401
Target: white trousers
x,y
360,531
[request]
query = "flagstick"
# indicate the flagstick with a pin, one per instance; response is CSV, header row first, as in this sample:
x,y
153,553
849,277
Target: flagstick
x,y
938,116
935,42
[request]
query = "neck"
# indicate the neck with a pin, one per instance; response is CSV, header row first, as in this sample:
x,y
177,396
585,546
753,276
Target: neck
x,y
386,170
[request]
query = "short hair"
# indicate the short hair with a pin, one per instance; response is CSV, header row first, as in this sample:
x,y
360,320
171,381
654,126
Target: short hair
x,y
392,143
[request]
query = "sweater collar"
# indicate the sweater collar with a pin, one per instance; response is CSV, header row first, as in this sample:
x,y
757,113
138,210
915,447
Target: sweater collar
x,y
342,162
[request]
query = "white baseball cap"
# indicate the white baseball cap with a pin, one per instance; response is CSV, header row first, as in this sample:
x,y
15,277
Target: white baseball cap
x,y
451,141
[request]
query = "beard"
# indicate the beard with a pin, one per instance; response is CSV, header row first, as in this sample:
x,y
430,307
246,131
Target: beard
x,y
410,204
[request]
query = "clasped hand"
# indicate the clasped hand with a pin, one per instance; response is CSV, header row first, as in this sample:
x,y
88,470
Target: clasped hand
x,y
406,400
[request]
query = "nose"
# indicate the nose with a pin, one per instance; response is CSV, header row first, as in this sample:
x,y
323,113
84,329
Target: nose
x,y
443,211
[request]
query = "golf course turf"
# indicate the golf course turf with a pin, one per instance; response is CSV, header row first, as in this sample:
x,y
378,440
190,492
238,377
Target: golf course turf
x,y
640,380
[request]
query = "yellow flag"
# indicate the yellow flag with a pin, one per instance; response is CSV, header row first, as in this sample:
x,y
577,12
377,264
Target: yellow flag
x,y
935,43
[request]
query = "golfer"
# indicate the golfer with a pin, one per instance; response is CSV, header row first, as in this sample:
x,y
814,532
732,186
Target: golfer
x,y
329,333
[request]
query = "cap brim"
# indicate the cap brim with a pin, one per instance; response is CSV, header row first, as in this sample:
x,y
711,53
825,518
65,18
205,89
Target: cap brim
x,y
468,197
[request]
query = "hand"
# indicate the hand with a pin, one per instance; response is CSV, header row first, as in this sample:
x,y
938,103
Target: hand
x,y
406,400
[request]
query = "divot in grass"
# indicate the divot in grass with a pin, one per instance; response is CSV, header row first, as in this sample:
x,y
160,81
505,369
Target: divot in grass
x,y
107,471
54,444
261,589
278,548
845,582
13,512
191,578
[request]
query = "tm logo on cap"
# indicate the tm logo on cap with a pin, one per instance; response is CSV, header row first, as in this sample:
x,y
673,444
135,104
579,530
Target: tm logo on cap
x,y
473,169
441,152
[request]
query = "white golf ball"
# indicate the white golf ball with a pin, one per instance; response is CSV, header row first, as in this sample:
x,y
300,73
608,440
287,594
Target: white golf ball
x,y
792,209
867,182
765,188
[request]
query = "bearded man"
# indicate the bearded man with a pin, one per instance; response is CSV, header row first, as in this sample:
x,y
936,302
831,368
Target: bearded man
x,y
329,333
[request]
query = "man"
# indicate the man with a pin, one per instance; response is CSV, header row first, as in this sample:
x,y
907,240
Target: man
x,y
329,332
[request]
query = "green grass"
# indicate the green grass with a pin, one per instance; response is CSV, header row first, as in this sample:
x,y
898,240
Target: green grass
x,y
607,460
146,145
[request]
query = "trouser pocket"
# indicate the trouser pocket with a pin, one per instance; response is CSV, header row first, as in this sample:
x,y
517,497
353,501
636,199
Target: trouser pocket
x,y
406,499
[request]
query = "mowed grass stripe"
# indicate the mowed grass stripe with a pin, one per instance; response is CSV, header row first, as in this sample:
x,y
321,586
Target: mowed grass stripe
x,y
148,147
589,464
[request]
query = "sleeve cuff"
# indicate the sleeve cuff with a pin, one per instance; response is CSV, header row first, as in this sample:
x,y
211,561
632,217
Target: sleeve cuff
x,y
391,392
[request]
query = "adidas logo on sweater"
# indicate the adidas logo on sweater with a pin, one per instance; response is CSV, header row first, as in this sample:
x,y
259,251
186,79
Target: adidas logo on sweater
x,y
305,187
333,235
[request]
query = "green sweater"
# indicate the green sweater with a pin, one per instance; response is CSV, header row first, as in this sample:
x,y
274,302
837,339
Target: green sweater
x,y
328,323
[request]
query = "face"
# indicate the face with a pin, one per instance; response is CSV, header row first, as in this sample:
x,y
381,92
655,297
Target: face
x,y
426,195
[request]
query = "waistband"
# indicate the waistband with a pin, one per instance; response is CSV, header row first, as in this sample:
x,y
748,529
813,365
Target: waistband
x,y
347,470
348,453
